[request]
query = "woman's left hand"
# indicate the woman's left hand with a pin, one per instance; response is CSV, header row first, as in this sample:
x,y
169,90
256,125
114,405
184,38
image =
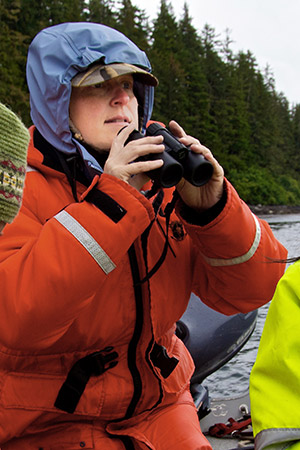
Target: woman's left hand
x,y
203,197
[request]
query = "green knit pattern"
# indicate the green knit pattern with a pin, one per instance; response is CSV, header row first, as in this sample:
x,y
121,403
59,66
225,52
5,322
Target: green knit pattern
x,y
14,139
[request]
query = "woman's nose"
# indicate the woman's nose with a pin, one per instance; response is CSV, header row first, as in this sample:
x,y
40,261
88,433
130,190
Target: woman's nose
x,y
120,96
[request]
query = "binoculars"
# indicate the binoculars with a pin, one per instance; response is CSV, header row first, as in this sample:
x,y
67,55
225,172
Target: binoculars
x,y
179,161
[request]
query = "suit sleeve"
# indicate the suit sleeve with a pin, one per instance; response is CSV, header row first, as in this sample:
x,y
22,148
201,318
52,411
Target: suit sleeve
x,y
236,253
50,268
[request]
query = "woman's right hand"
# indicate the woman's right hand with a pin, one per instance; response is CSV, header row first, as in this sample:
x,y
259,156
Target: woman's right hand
x,y
122,163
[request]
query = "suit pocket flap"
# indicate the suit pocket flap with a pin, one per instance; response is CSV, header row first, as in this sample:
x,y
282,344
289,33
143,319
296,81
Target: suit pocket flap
x,y
39,392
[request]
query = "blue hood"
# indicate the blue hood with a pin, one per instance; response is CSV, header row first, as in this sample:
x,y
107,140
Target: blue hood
x,y
55,56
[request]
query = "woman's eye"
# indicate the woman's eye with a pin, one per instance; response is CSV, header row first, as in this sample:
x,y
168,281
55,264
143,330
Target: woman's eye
x,y
107,86
127,85
99,86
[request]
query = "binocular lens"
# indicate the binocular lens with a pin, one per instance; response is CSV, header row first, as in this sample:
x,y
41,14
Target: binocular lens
x,y
197,170
179,161
202,174
170,173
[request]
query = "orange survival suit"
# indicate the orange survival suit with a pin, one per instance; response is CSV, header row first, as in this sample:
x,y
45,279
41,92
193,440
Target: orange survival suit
x,y
70,277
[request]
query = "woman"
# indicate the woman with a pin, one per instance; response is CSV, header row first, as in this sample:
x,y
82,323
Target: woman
x,y
91,285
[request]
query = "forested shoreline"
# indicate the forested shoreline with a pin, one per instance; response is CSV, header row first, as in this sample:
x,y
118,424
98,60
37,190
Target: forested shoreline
x,y
219,96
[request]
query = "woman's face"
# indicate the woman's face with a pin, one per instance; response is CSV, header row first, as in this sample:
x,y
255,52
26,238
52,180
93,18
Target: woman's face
x,y
100,111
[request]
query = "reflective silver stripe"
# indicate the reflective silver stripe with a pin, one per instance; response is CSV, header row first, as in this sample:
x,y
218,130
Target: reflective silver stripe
x,y
239,259
30,169
277,438
86,240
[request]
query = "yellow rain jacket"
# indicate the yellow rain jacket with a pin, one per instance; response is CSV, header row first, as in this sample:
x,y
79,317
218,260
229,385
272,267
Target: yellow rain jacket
x,y
275,377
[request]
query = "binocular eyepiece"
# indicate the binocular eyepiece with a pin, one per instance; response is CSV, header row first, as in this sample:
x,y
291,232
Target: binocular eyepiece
x,y
179,161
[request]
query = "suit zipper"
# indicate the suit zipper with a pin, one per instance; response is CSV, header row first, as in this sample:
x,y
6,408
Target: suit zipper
x,y
136,377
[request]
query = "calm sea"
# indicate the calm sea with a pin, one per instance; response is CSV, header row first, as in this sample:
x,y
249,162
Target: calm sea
x,y
233,378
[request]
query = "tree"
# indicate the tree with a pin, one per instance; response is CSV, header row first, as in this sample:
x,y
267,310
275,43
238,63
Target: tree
x,y
295,118
58,11
195,102
167,66
102,11
133,22
13,90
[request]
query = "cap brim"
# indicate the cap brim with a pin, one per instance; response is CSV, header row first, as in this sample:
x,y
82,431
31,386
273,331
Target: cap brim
x,y
103,72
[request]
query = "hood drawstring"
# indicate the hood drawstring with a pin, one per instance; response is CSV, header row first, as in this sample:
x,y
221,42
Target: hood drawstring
x,y
69,167
167,213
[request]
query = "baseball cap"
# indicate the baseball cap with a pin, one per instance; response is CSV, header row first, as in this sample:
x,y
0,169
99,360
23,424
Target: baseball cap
x,y
98,73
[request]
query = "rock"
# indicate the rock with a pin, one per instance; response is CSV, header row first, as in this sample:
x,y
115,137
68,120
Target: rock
x,y
275,209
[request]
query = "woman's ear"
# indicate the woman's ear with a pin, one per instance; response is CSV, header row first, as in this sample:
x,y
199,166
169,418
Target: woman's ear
x,y
76,133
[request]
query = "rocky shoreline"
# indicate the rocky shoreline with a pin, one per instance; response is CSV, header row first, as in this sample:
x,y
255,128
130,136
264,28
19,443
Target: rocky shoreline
x,y
274,209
